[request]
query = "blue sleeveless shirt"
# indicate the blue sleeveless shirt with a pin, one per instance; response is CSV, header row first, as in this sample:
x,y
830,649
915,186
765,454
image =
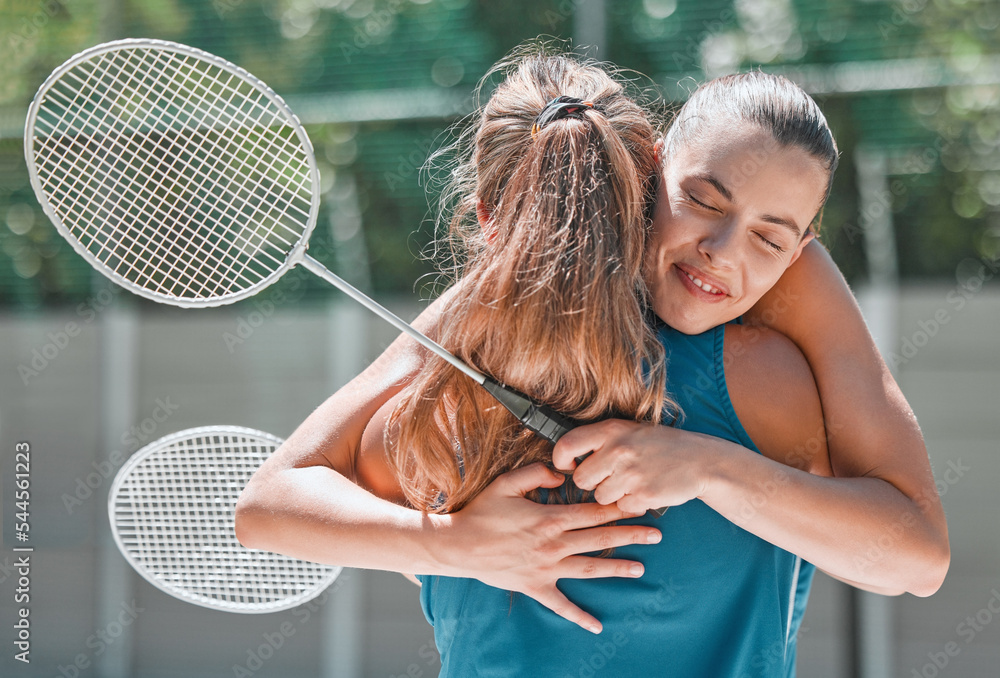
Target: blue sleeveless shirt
x,y
714,602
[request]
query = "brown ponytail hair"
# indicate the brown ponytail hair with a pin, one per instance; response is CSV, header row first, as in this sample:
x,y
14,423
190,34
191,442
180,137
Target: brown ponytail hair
x,y
551,299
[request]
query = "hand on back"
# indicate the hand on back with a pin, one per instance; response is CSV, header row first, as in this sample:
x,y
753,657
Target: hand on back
x,y
508,541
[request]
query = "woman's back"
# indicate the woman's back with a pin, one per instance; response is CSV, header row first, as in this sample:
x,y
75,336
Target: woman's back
x,y
715,600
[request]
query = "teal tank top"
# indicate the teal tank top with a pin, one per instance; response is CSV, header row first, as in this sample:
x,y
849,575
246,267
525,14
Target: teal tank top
x,y
715,601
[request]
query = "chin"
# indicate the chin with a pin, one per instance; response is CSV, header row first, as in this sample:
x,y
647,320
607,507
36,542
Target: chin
x,y
685,324
695,328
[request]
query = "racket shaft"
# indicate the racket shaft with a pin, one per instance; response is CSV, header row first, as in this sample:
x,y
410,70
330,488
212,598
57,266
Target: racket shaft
x,y
537,418
387,315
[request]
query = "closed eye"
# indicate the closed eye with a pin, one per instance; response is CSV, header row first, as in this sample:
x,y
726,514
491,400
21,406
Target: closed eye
x,y
701,204
770,244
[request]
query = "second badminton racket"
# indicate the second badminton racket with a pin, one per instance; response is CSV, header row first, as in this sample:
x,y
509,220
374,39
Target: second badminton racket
x,y
172,512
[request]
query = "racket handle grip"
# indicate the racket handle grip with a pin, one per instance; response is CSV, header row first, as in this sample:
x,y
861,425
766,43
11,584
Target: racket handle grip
x,y
540,419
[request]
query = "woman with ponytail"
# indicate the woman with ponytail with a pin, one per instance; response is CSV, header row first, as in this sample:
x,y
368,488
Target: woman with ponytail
x,y
411,468
549,232
547,218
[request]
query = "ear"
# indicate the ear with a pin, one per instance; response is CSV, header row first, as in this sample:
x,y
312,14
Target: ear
x,y
658,151
802,245
484,214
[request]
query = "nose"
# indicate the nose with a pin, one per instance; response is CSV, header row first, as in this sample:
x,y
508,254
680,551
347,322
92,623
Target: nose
x,y
720,244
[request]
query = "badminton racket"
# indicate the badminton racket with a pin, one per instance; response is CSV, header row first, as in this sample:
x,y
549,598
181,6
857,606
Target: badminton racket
x,y
172,508
188,181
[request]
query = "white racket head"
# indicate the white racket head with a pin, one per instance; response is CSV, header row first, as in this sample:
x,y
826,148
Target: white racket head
x,y
171,508
175,173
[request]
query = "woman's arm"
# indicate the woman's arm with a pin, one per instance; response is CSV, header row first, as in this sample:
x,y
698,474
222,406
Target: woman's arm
x,y
878,523
304,502
865,410
860,529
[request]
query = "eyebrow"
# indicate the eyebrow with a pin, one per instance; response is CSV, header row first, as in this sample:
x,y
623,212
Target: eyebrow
x,y
769,218
780,221
716,183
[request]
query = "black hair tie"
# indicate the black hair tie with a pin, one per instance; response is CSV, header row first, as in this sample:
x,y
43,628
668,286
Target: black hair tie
x,y
560,107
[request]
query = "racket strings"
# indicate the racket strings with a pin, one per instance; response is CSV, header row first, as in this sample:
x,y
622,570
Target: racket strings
x,y
191,93
176,174
203,93
152,259
146,191
90,130
174,518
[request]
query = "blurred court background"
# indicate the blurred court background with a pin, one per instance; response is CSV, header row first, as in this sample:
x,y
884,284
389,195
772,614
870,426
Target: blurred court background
x,y
89,374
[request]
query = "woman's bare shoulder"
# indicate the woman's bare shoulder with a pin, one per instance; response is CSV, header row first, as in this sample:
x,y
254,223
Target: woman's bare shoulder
x,y
775,397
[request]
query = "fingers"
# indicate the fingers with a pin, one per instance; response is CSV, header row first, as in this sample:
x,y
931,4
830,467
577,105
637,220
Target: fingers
x,y
527,478
611,488
611,536
637,504
591,567
589,514
555,600
583,567
579,442
599,471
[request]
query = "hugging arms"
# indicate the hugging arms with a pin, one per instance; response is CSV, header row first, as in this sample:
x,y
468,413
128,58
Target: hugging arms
x,y
316,500
719,241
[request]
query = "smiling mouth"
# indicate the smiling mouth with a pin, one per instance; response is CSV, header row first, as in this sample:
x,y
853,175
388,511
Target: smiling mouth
x,y
703,285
